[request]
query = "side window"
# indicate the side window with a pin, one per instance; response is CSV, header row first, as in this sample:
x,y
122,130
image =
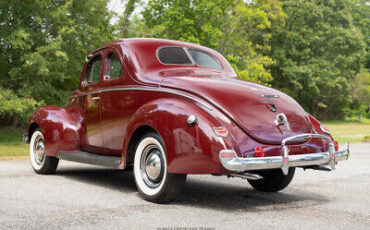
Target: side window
x,y
94,70
114,69
173,55
204,59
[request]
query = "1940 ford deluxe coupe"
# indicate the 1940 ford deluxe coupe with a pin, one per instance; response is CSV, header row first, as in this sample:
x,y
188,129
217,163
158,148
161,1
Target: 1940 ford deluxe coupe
x,y
168,109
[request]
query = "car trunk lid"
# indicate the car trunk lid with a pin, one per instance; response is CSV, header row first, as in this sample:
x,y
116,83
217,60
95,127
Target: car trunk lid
x,y
266,114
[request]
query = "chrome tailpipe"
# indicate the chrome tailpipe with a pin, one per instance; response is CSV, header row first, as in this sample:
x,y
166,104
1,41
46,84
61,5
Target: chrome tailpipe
x,y
319,167
248,176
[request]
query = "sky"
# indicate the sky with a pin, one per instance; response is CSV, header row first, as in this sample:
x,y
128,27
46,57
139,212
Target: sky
x,y
118,7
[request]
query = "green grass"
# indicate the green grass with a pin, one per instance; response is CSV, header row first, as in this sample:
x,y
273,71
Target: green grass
x,y
350,130
11,143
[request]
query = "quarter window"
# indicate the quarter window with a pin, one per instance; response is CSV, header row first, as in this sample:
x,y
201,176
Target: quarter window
x,y
173,55
94,70
115,68
203,59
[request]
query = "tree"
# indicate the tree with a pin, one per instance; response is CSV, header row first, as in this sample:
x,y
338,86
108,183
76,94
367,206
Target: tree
x,y
44,43
361,19
125,22
240,30
360,95
15,110
361,85
317,55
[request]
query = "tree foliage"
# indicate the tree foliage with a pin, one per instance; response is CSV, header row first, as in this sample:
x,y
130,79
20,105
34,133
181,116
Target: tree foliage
x,y
240,30
360,95
43,44
317,55
361,19
15,110
314,50
125,22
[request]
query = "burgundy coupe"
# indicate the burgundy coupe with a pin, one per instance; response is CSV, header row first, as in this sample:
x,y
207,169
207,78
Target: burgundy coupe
x,y
167,109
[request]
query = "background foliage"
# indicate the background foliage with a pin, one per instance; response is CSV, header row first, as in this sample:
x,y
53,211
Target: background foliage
x,y
317,55
43,44
239,30
316,51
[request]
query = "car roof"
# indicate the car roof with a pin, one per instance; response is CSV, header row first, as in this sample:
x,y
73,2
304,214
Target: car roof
x,y
141,57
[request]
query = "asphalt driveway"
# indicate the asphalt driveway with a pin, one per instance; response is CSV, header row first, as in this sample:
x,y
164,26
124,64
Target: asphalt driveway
x,y
87,197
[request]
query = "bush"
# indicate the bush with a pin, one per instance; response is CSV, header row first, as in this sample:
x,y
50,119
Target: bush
x,y
15,110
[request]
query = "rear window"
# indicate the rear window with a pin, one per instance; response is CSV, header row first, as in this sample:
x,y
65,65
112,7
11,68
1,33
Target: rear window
x,y
203,59
173,55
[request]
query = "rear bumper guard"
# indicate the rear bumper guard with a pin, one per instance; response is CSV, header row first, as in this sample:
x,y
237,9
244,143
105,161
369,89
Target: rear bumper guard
x,y
232,162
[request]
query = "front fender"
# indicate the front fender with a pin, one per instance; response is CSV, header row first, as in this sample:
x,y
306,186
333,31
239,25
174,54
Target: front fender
x,y
189,149
58,127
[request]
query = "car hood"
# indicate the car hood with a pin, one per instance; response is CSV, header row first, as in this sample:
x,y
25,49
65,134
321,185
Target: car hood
x,y
256,109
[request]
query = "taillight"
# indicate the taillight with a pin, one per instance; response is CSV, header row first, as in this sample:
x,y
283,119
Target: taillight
x,y
336,145
259,151
220,131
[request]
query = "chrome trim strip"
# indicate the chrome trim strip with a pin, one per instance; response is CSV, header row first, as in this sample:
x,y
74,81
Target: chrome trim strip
x,y
324,131
330,157
144,89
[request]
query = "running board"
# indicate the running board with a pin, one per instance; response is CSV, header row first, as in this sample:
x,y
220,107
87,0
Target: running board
x,y
90,158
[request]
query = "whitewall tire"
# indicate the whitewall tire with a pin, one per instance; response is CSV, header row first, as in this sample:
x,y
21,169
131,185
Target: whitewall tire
x,y
150,171
41,163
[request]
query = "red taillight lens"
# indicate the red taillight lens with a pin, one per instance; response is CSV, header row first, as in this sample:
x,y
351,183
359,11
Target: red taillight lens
x,y
259,151
220,131
336,145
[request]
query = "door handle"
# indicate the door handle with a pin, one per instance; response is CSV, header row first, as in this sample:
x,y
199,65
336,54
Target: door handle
x,y
95,98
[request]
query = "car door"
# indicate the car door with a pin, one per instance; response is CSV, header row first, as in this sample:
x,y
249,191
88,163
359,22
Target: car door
x,y
91,103
114,103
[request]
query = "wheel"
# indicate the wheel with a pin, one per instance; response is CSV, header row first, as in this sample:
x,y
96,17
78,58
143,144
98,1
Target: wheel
x,y
152,180
41,163
273,180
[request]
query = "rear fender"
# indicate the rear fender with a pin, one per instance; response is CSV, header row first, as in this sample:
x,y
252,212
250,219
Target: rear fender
x,y
58,127
190,149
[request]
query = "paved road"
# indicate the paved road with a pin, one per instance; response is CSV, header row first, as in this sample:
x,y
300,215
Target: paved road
x,y
87,197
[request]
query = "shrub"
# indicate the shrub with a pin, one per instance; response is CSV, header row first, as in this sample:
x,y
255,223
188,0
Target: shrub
x,y
15,110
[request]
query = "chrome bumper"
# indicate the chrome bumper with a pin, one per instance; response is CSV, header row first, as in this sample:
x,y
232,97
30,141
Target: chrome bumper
x,y
232,162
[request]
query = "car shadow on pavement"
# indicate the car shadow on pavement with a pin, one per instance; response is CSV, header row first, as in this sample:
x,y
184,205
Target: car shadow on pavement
x,y
115,179
231,197
202,193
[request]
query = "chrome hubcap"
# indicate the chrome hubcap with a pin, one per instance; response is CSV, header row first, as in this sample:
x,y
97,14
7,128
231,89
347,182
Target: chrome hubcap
x,y
39,150
151,166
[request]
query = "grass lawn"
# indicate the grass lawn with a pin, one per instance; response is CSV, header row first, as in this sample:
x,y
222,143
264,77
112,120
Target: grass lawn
x,y
351,131
11,143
